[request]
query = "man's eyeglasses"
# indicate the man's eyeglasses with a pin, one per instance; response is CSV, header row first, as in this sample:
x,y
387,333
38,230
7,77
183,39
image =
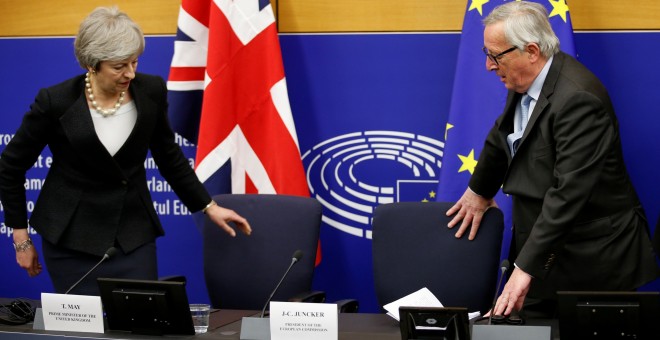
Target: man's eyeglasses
x,y
495,58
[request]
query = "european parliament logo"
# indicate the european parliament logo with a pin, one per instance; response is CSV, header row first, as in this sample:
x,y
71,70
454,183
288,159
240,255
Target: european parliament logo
x,y
353,173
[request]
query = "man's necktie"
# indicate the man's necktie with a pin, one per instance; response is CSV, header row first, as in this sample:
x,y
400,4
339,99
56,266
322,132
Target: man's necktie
x,y
524,117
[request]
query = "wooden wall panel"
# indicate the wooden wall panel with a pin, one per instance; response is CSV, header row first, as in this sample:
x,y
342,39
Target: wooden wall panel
x,y
56,18
61,18
447,15
370,15
615,14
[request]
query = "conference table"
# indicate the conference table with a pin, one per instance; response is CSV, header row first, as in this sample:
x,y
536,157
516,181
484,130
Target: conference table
x,y
226,324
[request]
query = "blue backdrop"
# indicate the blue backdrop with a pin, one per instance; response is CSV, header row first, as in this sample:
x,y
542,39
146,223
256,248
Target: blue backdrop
x,y
357,100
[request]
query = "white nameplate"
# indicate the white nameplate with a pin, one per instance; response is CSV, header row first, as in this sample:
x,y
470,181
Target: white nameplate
x,y
72,313
299,320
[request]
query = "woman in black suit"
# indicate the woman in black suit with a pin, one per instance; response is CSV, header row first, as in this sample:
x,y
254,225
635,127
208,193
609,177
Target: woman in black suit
x,y
99,127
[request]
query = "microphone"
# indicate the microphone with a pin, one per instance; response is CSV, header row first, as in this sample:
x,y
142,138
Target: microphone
x,y
504,266
108,254
296,257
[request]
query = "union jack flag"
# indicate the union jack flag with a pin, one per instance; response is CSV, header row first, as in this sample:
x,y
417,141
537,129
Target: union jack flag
x,y
228,94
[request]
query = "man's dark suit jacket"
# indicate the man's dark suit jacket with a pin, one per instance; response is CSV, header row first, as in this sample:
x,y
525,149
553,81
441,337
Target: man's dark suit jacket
x,y
90,198
578,224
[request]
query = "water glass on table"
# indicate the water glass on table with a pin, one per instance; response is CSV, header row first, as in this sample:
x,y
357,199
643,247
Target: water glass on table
x,y
200,315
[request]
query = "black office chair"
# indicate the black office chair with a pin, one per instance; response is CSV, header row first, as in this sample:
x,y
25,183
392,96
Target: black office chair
x,y
413,248
241,272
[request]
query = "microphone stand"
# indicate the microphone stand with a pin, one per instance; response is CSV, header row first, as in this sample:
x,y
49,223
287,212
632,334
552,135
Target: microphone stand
x,y
253,328
263,310
503,268
109,253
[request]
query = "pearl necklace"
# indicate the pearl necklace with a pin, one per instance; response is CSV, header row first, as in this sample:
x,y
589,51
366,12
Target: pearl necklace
x,y
103,112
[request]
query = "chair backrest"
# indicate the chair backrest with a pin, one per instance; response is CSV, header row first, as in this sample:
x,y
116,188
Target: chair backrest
x,y
241,272
413,248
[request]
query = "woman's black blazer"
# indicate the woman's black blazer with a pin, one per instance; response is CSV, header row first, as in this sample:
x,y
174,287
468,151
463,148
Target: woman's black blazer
x,y
91,199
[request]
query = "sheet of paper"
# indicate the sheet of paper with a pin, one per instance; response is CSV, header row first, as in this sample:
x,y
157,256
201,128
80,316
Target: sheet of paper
x,y
474,315
420,298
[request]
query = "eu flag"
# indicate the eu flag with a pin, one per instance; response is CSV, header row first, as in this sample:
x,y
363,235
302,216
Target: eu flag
x,y
478,98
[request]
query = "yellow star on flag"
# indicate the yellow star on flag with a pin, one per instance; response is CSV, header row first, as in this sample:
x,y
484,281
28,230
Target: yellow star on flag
x,y
432,194
469,163
449,126
478,5
559,7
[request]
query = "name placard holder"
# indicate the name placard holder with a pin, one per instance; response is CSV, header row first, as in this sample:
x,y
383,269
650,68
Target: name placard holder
x,y
38,323
508,332
72,313
255,328
296,320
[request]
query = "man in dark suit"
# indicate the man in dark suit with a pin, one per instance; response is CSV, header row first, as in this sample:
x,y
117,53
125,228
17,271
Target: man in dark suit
x,y
556,149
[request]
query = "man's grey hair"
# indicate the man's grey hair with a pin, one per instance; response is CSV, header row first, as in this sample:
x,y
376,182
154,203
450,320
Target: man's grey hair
x,y
525,22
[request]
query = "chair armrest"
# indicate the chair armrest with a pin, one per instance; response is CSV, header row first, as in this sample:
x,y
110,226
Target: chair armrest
x,y
348,306
173,278
313,297
343,306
